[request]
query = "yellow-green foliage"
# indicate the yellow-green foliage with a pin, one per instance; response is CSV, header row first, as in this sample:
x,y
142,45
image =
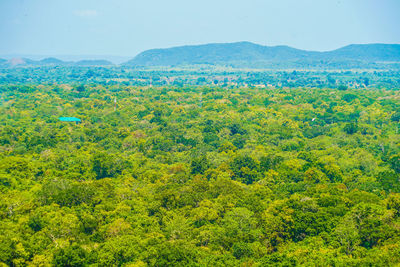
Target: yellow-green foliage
x,y
249,176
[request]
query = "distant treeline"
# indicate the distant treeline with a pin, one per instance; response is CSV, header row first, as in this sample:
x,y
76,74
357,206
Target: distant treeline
x,y
203,76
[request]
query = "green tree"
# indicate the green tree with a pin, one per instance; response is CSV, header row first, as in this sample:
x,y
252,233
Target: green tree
x,y
70,256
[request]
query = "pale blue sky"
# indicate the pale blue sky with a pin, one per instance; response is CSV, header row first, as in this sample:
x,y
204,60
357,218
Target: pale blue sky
x,y
127,27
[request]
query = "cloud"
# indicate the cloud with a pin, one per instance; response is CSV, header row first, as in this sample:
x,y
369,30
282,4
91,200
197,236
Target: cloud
x,y
86,13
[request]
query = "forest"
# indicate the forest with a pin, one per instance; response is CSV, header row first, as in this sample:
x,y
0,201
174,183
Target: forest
x,y
198,174
203,75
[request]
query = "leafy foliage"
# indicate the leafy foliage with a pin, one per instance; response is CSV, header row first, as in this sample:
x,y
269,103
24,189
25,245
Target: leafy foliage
x,y
198,176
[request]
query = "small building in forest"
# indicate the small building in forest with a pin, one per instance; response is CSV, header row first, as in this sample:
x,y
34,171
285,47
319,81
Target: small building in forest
x,y
69,119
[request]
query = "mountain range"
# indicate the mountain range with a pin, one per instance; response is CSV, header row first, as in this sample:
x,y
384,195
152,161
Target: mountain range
x,y
51,61
245,55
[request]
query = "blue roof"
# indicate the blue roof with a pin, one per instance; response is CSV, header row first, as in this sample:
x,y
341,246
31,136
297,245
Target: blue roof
x,y
69,119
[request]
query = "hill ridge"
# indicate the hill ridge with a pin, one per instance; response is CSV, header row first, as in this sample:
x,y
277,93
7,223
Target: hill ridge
x,y
250,54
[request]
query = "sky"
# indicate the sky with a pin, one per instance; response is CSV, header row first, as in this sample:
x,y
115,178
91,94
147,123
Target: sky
x,y
128,27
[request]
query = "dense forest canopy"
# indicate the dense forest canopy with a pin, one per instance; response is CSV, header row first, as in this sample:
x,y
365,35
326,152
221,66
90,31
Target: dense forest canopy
x,y
198,175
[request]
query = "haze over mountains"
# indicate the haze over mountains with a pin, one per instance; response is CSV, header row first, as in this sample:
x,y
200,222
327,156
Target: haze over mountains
x,y
245,55
15,62
69,58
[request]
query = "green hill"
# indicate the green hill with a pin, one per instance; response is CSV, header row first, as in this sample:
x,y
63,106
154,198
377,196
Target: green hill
x,y
367,52
52,60
246,54
93,63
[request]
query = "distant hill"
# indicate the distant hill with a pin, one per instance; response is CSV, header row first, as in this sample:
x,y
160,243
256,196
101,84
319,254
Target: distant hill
x,y
214,54
18,61
93,63
51,61
246,54
15,62
68,58
367,52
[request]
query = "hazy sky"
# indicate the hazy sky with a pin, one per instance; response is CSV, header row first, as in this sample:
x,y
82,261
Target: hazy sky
x,y
127,27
